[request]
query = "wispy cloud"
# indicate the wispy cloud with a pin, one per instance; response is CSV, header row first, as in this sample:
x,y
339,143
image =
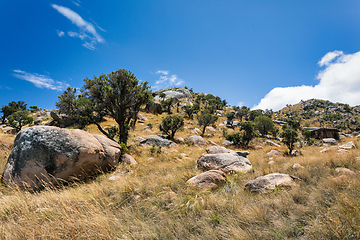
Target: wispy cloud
x,y
60,33
87,32
166,80
338,82
76,2
40,81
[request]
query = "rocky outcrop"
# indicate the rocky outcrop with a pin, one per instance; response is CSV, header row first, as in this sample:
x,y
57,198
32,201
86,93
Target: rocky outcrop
x,y
226,162
270,182
175,93
208,180
158,140
45,155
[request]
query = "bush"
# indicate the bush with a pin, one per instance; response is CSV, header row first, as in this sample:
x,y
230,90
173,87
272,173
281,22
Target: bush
x,y
170,124
264,124
206,119
289,137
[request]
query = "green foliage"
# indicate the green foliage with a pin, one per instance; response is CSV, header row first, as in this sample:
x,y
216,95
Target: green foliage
x,y
205,118
230,117
150,125
264,124
289,137
190,110
249,133
34,108
154,108
11,108
254,113
275,131
167,104
236,138
242,112
170,124
123,147
243,138
20,118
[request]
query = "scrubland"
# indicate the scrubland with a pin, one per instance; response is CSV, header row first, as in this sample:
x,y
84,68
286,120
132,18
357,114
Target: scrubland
x,y
151,200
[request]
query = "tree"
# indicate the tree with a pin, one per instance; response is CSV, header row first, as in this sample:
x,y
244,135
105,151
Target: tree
x,y
249,132
242,112
167,104
170,124
264,124
11,108
230,117
289,137
206,119
190,110
19,119
117,94
245,136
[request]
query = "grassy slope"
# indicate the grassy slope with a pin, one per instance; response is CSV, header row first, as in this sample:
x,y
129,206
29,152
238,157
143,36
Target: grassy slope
x,y
152,201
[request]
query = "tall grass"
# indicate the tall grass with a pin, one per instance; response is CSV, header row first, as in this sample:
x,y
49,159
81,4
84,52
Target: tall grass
x,y
152,200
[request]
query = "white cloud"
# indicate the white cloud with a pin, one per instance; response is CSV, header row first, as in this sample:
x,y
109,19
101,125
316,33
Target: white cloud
x,y
329,57
338,82
165,80
40,81
60,33
87,31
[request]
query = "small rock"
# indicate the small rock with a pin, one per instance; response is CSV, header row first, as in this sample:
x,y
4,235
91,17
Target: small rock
x,y
217,149
274,153
331,141
210,129
325,150
196,131
342,151
158,140
270,182
126,158
348,146
196,141
139,139
208,180
258,147
271,162
343,170
142,118
271,143
227,143
297,166
227,162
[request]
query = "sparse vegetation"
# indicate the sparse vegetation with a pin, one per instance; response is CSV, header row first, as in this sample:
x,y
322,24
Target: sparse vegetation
x,y
152,200
170,124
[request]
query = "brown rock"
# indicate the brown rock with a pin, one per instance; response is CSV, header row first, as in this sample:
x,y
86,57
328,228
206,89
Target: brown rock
x,y
126,158
270,182
208,180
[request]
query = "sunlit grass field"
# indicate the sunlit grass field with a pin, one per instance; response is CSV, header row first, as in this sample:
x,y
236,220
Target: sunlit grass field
x,y
151,200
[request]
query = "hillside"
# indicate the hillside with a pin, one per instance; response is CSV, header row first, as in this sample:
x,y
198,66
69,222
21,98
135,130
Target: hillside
x,y
321,113
152,199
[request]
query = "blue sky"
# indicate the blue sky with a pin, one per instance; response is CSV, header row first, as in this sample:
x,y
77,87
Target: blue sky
x,y
262,54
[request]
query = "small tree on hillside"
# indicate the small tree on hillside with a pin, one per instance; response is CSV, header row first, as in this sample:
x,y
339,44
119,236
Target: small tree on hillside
x,y
289,137
167,104
19,119
206,119
190,110
249,132
170,124
264,124
11,108
230,117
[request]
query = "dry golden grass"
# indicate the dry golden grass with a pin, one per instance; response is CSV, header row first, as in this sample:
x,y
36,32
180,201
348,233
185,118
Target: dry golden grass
x,y
152,201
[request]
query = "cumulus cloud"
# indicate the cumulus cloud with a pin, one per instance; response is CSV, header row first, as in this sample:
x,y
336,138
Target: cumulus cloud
x,y
40,81
87,32
339,81
166,80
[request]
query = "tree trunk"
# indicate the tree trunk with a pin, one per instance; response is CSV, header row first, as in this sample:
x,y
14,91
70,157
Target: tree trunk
x,y
103,131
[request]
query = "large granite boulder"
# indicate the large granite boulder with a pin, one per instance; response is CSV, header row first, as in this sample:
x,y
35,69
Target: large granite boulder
x,y
158,140
208,180
217,149
44,155
226,162
270,182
